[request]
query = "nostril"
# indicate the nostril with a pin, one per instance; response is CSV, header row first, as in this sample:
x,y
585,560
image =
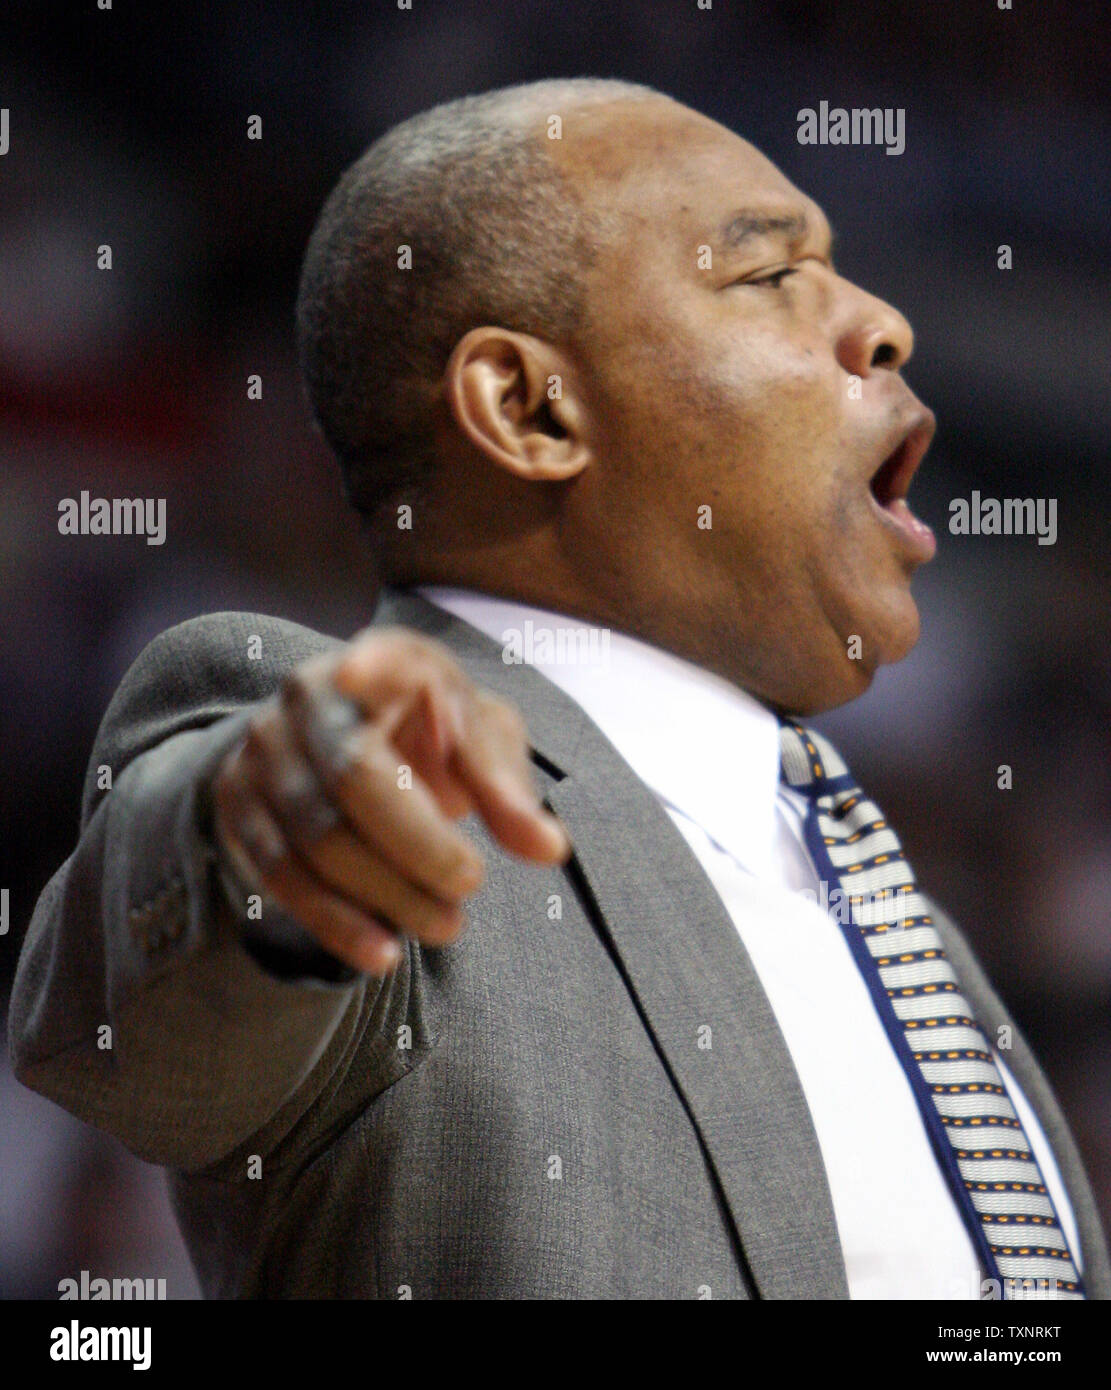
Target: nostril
x,y
884,355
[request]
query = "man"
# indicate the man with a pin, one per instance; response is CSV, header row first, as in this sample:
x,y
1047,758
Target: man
x,y
588,368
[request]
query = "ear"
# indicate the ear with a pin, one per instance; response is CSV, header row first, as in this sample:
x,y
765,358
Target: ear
x,y
514,398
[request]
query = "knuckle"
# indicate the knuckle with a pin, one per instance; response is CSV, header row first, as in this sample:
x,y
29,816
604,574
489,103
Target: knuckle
x,y
258,740
342,934
426,658
274,878
441,928
263,843
375,760
508,718
292,683
418,914
458,870
292,785
374,643
297,686
226,783
226,811
308,814
334,735
331,931
346,784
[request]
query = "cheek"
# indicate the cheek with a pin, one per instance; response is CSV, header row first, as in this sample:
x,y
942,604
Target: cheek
x,y
748,420
778,431
715,366
765,403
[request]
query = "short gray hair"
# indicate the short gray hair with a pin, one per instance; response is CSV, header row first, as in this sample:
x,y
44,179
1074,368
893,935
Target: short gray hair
x,y
498,236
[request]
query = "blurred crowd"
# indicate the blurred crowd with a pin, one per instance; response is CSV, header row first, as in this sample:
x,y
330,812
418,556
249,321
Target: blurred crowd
x,y
129,129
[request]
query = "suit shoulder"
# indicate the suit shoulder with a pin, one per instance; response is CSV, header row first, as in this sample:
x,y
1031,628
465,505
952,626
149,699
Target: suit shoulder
x,y
245,644
193,674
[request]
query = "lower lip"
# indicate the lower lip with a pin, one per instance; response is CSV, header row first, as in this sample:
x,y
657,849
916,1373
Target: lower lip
x,y
917,539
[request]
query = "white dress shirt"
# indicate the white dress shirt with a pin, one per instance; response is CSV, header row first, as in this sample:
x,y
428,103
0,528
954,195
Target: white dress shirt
x,y
710,752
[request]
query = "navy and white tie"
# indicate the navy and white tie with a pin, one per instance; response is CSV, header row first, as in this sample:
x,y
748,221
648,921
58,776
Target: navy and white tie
x,y
974,1128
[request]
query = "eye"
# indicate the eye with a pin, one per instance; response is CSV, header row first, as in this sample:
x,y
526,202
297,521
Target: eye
x,y
774,278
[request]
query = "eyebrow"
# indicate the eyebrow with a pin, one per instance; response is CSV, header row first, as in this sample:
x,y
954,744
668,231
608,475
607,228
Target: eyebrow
x,y
747,225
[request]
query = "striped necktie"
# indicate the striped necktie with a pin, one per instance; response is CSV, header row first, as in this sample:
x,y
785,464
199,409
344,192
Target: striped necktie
x,y
977,1137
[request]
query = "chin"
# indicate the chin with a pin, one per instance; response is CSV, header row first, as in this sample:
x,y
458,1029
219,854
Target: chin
x,y
885,638
897,635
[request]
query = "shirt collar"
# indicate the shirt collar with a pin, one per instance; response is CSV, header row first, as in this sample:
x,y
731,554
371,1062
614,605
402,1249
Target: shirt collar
x,y
704,746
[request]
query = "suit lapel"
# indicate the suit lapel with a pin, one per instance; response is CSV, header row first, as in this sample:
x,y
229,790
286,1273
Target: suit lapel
x,y
688,971
695,983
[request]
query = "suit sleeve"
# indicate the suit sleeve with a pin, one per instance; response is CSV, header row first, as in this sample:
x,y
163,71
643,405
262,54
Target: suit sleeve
x,y
136,1004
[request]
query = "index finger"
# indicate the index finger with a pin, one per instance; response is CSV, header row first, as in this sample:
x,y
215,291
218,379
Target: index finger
x,y
492,762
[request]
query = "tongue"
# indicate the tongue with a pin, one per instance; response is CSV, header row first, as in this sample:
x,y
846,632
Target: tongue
x,y
922,539
903,514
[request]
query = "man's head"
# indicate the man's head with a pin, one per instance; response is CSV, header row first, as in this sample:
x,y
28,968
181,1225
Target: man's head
x,y
621,379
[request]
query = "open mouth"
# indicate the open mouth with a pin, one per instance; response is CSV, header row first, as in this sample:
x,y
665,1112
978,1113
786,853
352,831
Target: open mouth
x,y
890,484
892,481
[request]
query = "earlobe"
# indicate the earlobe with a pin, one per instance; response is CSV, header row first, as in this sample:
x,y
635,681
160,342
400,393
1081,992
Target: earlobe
x,y
508,394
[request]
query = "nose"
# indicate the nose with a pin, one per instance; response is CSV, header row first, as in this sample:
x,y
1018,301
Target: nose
x,y
874,335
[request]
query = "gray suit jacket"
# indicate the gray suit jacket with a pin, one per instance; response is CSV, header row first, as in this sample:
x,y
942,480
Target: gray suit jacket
x,y
526,1113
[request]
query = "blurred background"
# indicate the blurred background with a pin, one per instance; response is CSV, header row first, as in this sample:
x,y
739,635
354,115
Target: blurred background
x,y
128,127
